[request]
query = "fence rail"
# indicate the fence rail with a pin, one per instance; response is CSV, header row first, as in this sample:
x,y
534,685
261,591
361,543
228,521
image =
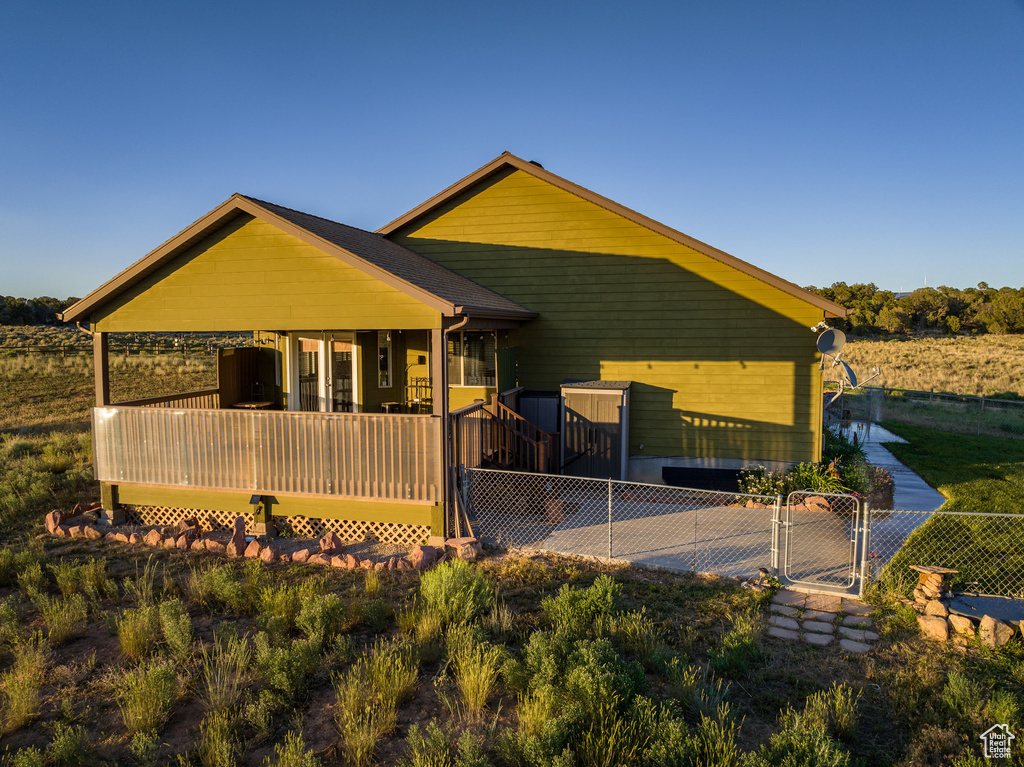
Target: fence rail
x,y
341,454
960,413
204,398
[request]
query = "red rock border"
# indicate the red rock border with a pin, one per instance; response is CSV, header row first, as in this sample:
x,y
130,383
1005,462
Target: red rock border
x,y
186,535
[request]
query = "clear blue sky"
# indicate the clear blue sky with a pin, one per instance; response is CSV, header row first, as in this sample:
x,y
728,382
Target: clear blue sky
x,y
823,141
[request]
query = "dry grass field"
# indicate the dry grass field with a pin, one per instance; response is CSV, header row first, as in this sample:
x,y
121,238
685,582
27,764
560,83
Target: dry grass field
x,y
991,364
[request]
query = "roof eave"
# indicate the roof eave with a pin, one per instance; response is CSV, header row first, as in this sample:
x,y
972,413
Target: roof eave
x,y
509,159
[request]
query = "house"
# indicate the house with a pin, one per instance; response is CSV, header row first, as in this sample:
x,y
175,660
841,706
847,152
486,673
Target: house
x,y
385,360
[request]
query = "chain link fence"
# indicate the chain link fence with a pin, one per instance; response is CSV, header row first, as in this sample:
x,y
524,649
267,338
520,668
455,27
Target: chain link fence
x,y
821,540
654,525
959,413
987,550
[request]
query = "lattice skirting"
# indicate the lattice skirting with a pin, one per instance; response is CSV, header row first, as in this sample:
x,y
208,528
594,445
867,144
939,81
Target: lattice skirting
x,y
302,527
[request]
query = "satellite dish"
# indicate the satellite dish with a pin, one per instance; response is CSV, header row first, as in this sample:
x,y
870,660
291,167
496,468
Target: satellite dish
x,y
848,374
831,341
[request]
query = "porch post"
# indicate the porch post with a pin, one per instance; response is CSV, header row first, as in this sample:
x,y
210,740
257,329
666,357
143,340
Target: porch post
x,y
100,361
439,399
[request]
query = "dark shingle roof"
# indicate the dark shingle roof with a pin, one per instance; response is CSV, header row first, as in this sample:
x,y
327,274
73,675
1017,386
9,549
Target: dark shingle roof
x,y
401,262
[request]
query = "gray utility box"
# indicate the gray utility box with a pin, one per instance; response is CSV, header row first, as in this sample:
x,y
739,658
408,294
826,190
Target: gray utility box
x,y
595,429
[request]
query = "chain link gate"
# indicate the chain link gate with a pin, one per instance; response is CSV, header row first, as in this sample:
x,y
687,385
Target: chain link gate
x,y
824,541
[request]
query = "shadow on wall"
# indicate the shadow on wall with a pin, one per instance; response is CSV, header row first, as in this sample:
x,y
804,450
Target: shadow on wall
x,y
717,371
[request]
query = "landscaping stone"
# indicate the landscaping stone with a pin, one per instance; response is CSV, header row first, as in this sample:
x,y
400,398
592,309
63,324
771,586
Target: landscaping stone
x,y
215,547
301,555
818,626
199,544
935,607
782,633
857,621
62,531
153,538
818,639
331,544
380,566
338,561
828,603
120,537
52,520
858,635
423,557
135,539
787,597
318,559
110,538
77,531
92,533
933,627
436,541
783,622
351,562
817,503
850,646
790,612
993,632
818,615
467,553
405,564
252,551
961,624
170,542
182,542
268,554
366,564
237,545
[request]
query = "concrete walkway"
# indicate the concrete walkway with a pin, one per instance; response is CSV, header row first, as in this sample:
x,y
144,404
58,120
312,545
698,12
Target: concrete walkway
x,y
912,493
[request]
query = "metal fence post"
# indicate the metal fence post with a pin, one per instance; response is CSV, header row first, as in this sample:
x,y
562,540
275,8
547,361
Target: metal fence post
x,y
609,518
865,542
776,535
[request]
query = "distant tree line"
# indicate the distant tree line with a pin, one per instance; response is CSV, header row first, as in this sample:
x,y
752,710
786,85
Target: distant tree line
x,y
942,309
32,311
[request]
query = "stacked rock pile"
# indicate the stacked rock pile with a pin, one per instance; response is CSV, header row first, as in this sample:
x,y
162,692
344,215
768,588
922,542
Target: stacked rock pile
x,y
188,535
931,600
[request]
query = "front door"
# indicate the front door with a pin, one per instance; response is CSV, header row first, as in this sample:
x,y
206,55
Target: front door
x,y
324,372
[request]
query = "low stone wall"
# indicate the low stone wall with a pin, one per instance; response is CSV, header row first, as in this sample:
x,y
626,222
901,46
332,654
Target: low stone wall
x,y
932,599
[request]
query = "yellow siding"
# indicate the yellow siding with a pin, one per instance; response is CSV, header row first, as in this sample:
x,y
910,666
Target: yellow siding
x,y
724,363
250,276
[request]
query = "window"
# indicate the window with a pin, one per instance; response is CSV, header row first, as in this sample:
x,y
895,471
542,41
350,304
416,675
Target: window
x,y
384,359
471,358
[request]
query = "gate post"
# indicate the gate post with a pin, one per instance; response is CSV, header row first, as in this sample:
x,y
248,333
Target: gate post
x,y
776,535
865,542
609,518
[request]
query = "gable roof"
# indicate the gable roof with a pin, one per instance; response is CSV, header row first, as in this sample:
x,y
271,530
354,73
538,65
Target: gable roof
x,y
509,160
417,276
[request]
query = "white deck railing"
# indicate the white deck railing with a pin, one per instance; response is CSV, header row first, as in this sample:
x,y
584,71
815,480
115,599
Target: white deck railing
x,y
341,454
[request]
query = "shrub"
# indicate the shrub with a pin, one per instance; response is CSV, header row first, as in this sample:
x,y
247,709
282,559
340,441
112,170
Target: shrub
x,y
141,588
224,587
430,749
94,580
833,711
392,669
225,666
376,614
372,583
67,576
635,632
800,747
457,591
697,691
21,684
740,645
429,637
137,630
757,480
292,753
146,696
144,748
64,618
499,621
31,579
69,747
476,672
321,618
14,560
218,740
284,669
578,612
176,626
9,621
28,757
